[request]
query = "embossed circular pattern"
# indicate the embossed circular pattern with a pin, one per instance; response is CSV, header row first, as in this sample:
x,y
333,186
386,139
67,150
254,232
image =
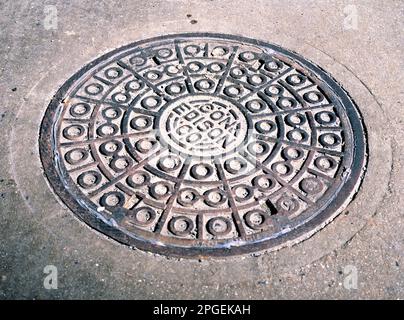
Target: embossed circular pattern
x,y
203,144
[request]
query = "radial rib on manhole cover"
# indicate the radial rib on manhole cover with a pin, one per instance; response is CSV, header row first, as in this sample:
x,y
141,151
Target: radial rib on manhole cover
x,y
203,144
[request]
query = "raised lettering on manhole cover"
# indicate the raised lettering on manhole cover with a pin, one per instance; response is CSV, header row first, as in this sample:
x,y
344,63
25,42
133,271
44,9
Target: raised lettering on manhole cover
x,y
203,144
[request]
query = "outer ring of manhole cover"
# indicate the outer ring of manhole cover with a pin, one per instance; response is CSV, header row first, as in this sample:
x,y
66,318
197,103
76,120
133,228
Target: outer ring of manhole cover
x,y
203,145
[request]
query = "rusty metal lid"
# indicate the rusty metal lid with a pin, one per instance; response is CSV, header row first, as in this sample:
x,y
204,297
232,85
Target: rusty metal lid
x,y
203,145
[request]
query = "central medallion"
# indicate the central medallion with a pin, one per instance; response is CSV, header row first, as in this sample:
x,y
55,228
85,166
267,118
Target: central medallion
x,y
203,126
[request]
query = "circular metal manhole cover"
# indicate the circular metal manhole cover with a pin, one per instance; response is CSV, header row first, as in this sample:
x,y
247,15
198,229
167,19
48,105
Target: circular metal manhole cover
x,y
203,144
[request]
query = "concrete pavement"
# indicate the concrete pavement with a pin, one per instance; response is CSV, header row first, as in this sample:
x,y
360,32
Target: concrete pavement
x,y
359,42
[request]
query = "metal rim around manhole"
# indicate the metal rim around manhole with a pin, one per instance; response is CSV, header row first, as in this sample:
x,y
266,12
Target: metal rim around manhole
x,y
203,145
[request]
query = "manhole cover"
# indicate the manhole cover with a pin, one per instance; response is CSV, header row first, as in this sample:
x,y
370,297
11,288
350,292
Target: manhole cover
x,y
203,144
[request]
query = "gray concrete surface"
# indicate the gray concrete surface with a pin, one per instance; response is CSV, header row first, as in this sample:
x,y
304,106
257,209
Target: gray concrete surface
x,y
37,230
